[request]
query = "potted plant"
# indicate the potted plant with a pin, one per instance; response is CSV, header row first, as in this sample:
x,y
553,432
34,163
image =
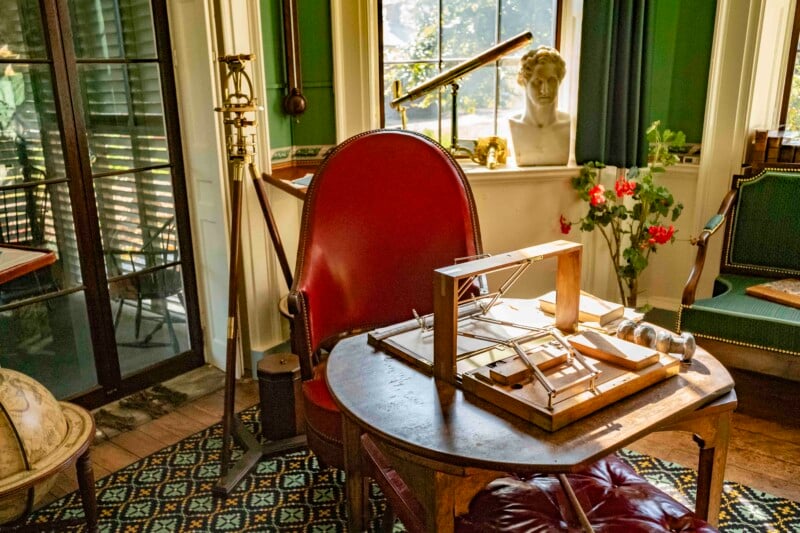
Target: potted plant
x,y
635,217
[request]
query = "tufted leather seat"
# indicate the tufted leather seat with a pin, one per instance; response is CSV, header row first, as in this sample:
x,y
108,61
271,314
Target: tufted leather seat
x,y
614,498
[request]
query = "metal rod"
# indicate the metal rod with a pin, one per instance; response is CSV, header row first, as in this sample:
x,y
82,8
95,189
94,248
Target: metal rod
x,y
507,285
449,76
576,506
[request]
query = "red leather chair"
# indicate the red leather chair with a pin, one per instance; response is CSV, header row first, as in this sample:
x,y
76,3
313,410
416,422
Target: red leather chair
x,y
382,212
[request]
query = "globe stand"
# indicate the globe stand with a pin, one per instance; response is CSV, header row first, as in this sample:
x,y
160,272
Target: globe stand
x,y
35,415
238,102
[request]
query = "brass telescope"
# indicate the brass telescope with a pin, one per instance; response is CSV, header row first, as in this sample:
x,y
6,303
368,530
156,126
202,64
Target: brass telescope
x,y
451,77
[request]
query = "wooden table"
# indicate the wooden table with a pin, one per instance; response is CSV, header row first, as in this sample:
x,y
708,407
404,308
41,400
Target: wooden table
x,y
448,446
16,261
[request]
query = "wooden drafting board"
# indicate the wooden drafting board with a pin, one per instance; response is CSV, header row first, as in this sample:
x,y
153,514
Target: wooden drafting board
x,y
528,399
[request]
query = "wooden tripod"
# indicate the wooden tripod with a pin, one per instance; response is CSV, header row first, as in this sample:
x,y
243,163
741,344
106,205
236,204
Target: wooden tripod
x,y
239,101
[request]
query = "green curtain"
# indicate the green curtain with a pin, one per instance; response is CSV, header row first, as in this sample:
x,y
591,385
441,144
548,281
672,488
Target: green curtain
x,y
612,93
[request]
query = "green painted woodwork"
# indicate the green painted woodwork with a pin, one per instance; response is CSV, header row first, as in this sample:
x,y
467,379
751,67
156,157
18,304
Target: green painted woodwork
x,y
317,126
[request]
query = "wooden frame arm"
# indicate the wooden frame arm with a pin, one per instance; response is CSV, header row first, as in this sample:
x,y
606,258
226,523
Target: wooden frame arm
x,y
711,227
401,501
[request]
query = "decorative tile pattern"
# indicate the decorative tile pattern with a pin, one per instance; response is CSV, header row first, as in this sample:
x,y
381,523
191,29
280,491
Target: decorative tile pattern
x,y
170,491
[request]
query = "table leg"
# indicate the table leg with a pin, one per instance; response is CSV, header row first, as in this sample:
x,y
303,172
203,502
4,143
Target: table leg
x,y
711,427
354,479
711,469
85,473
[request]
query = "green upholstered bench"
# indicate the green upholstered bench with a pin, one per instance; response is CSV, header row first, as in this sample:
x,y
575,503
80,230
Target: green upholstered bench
x,y
761,216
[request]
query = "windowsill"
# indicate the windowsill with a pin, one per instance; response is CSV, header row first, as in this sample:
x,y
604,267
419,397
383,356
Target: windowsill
x,y
511,172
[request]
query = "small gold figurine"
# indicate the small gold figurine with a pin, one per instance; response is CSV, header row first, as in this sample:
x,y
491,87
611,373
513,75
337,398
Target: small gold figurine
x,y
490,151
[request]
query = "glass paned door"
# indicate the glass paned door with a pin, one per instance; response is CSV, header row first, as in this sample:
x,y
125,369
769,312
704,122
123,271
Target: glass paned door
x,y
92,190
43,310
120,81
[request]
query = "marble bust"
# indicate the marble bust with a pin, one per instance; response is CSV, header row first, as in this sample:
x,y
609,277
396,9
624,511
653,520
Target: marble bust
x,y
541,133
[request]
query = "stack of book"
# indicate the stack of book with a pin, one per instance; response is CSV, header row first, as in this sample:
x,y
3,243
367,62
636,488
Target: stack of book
x,y
593,312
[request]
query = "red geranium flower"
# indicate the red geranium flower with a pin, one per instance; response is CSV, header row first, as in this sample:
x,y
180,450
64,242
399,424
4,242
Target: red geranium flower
x,y
660,234
624,187
596,195
566,225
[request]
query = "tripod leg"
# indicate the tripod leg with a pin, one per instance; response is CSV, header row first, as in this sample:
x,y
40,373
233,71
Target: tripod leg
x,y
266,210
233,282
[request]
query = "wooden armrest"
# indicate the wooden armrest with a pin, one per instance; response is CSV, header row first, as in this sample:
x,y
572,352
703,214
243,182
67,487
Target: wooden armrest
x,y
711,227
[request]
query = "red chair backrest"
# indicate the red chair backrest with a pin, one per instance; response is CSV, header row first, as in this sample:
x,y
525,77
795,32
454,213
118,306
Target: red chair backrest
x,y
382,212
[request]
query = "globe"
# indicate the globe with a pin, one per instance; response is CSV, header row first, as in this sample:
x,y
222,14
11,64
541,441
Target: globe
x,y
39,436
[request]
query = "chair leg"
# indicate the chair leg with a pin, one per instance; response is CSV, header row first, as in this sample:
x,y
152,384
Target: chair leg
x,y
119,313
168,317
138,316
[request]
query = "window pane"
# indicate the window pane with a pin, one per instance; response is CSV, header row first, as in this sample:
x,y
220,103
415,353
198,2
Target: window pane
x,y
124,116
410,30
28,118
535,16
468,28
21,31
136,214
50,342
476,104
105,29
35,207
149,317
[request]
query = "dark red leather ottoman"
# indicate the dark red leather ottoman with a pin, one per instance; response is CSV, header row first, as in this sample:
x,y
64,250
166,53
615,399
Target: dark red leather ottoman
x,y
613,496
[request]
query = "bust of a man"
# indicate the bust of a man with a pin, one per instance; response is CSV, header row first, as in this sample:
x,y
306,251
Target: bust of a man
x,y
541,134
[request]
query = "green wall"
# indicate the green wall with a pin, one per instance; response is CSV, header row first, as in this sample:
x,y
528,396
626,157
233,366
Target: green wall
x,y
682,38
317,126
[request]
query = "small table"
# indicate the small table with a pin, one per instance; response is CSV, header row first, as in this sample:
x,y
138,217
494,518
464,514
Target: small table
x,y
448,446
16,261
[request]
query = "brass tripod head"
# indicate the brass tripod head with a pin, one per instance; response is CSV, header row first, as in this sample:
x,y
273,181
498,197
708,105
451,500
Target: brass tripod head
x,y
238,101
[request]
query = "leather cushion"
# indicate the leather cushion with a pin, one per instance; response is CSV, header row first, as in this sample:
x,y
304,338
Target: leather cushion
x,y
613,496
733,316
320,410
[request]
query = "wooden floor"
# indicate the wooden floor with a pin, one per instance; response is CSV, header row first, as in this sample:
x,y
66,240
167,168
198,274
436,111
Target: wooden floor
x,y
762,454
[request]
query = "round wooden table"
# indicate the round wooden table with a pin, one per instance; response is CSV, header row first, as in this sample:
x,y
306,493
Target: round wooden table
x,y
448,444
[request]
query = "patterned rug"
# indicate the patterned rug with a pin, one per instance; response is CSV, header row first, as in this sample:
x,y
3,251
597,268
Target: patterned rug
x,y
170,491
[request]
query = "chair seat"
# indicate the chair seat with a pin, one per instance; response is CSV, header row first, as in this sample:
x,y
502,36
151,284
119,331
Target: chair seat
x,y
733,316
613,496
323,421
